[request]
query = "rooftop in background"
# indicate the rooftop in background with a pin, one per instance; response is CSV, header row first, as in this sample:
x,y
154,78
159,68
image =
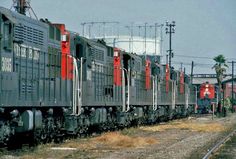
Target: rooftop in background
x,y
211,78
229,80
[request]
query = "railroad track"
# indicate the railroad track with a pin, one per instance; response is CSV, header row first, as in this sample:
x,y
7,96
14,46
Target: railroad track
x,y
200,115
217,146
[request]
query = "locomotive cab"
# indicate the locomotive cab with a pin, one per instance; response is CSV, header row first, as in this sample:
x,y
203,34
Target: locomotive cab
x,y
6,28
131,66
8,81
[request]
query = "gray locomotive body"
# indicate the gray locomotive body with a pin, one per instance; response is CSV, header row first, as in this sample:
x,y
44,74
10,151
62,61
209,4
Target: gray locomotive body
x,y
54,82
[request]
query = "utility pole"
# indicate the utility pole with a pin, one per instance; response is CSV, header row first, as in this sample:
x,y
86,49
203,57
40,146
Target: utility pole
x,y
145,40
232,83
104,30
232,93
192,65
166,58
83,28
161,53
89,31
131,38
184,70
181,66
169,30
23,6
155,39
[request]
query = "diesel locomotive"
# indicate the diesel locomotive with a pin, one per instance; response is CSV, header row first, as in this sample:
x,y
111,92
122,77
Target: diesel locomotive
x,y
207,96
54,82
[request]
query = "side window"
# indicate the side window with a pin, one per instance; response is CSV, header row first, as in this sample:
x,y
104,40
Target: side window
x,y
51,32
7,36
79,51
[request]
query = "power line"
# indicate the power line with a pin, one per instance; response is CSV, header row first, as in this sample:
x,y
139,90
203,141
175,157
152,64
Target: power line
x,y
200,57
195,64
188,56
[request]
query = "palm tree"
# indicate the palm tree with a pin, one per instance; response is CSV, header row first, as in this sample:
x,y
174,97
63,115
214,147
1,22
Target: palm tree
x,y
220,67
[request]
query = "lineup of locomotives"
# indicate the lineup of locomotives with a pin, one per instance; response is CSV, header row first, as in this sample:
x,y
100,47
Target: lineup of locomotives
x,y
55,82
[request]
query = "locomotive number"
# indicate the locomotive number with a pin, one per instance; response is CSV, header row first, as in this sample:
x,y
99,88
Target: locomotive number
x,y
6,64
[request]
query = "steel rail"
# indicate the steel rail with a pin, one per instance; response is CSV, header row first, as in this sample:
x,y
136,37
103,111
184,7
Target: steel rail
x,y
218,144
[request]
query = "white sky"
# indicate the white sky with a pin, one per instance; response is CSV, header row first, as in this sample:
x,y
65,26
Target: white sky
x,y
204,28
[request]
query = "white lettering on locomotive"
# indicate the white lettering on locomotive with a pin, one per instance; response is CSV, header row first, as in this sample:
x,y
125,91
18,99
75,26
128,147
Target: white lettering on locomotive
x,y
98,67
30,53
23,50
36,54
6,64
17,50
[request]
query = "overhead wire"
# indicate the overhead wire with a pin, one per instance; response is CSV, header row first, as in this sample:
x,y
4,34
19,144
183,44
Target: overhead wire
x,y
201,57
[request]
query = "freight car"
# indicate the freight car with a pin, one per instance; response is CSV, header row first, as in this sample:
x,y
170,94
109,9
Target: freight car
x,y
55,82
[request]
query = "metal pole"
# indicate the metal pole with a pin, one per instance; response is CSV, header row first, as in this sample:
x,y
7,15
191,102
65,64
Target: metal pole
x,y
170,50
139,27
170,30
83,28
129,30
161,51
166,58
223,99
145,39
104,30
232,86
155,38
132,39
184,71
89,31
192,71
213,111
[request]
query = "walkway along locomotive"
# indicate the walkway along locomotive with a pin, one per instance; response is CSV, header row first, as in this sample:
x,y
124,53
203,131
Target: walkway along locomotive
x,y
54,82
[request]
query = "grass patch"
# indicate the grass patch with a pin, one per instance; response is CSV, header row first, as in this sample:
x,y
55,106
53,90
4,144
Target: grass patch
x,y
118,140
192,126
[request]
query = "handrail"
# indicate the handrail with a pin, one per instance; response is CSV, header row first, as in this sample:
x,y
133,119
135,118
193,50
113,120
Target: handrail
x,y
124,107
154,93
77,87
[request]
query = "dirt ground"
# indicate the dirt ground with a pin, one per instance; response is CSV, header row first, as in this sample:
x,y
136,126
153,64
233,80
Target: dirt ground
x,y
184,138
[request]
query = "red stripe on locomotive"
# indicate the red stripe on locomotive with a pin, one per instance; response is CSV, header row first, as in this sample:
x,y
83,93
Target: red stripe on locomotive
x,y
66,59
148,74
181,89
117,67
167,78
